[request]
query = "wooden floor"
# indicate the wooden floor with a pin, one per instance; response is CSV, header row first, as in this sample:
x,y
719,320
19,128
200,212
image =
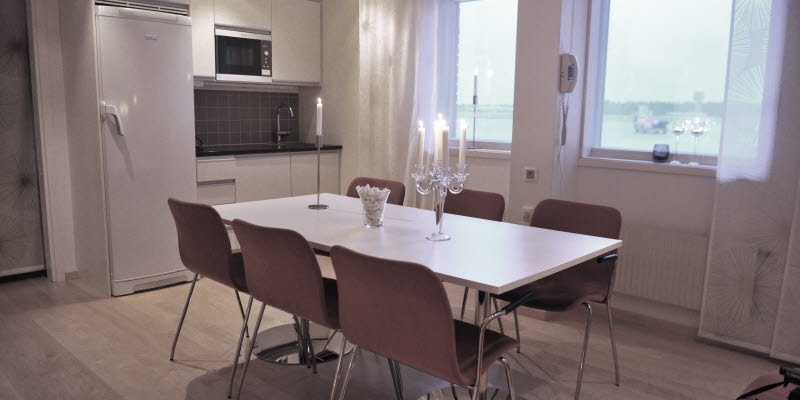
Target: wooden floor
x,y
57,342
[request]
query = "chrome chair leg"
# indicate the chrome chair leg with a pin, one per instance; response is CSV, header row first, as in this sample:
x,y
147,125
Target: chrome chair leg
x,y
310,345
613,343
183,317
338,367
516,327
512,393
499,320
241,311
398,391
399,376
301,342
239,345
347,373
398,385
464,303
250,350
583,352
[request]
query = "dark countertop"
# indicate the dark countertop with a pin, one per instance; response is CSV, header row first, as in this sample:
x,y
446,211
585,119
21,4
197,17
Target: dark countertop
x,y
233,149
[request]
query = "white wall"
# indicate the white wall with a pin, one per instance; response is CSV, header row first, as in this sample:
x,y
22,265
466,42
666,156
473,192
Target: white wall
x,y
47,80
340,69
535,102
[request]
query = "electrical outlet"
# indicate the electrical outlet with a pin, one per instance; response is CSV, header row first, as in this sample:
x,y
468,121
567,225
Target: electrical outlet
x,y
531,175
527,214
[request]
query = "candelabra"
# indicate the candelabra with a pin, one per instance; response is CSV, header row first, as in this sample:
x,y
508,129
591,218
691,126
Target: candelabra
x,y
439,180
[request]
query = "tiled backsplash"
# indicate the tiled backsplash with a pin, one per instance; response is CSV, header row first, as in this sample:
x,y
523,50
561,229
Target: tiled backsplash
x,y
230,117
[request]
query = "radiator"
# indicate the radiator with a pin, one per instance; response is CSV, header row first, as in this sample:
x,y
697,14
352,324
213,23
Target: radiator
x,y
662,265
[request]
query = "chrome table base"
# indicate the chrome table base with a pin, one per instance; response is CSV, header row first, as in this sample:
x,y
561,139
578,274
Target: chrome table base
x,y
280,345
460,393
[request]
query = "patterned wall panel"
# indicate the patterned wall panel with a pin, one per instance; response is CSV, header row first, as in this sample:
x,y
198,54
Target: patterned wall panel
x,y
21,246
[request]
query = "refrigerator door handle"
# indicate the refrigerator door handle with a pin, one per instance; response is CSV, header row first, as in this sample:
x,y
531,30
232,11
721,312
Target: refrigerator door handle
x,y
110,109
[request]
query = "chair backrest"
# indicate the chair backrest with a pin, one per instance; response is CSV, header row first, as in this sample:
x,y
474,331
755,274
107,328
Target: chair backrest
x,y
203,241
282,271
396,309
585,219
476,204
396,196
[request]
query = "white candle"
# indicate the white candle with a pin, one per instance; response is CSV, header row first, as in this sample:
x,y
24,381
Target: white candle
x,y
445,144
319,116
475,87
437,142
462,143
421,140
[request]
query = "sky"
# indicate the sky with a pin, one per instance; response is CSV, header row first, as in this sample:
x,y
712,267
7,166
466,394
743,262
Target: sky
x,y
658,50
666,50
488,42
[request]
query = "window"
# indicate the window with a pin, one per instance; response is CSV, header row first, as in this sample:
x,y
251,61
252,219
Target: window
x,y
487,43
660,71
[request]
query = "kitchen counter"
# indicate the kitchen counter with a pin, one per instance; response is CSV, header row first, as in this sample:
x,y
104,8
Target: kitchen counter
x,y
234,149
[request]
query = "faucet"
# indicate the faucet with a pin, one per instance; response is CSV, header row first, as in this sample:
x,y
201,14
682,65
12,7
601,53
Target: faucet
x,y
281,133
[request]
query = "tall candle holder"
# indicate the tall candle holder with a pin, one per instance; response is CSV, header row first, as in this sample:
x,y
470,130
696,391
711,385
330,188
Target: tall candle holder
x,y
318,206
439,180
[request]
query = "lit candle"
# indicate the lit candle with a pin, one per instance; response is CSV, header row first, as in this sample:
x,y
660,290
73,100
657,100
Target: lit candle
x,y
445,144
475,87
319,116
421,140
437,141
462,143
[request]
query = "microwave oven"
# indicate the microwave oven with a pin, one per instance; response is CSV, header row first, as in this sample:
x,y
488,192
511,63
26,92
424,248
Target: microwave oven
x,y
243,56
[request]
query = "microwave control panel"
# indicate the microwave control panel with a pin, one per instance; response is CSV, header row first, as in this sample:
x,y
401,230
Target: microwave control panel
x,y
266,58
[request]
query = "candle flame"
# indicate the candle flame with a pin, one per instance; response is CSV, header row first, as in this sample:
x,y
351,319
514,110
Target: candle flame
x,y
420,124
476,71
463,123
319,100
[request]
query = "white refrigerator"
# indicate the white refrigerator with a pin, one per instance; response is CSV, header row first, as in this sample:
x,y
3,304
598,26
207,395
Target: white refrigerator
x,y
147,107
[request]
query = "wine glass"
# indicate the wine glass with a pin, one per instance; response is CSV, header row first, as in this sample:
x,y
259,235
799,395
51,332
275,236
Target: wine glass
x,y
678,128
699,128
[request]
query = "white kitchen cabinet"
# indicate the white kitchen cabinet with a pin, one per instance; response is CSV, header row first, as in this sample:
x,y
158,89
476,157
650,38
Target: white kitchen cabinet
x,y
296,41
304,173
202,13
250,14
260,178
215,193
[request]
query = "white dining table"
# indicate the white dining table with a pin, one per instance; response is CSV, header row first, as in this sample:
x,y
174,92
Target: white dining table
x,y
491,257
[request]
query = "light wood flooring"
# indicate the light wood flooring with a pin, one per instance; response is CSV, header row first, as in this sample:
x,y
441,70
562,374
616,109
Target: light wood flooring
x,y
57,342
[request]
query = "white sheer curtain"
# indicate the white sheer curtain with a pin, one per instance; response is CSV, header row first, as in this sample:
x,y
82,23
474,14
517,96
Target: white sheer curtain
x,y
399,61
751,297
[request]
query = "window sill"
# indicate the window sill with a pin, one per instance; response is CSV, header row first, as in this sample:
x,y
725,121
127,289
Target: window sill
x,y
483,153
649,166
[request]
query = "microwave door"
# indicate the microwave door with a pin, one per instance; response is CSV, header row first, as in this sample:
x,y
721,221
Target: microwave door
x,y
239,59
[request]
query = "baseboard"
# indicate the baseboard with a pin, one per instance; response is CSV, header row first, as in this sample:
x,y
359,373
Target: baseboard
x,y
653,309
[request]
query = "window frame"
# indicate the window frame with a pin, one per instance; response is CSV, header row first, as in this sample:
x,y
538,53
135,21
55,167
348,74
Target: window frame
x,y
452,87
594,95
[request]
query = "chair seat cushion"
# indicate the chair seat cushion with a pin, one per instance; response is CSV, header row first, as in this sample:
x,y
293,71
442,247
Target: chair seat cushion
x,y
561,291
494,346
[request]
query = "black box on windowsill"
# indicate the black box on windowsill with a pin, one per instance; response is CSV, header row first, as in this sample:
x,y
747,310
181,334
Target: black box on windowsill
x,y
661,152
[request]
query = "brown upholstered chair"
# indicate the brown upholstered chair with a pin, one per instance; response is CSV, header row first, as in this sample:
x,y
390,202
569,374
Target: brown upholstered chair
x,y
205,249
400,310
476,204
282,272
589,282
396,196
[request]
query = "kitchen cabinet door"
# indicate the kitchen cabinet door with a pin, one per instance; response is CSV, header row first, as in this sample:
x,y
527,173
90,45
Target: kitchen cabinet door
x,y
304,173
261,178
296,41
250,14
202,13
